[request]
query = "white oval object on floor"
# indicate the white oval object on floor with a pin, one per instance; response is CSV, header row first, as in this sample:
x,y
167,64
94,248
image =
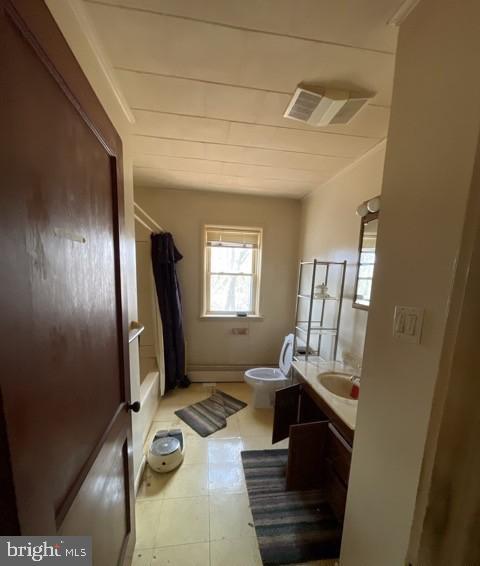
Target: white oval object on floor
x,y
166,450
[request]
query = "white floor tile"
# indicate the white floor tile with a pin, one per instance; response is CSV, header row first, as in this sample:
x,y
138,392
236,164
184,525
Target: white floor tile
x,y
183,521
151,486
224,450
226,478
148,515
235,552
184,555
186,481
166,412
255,422
196,450
230,516
142,557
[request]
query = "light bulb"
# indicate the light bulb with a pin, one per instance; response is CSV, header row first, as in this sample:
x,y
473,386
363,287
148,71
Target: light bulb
x,y
373,204
362,210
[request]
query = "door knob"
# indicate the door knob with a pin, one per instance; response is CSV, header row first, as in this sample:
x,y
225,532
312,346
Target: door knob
x,y
135,407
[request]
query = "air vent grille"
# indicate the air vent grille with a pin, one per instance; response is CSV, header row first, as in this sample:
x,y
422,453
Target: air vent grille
x,y
348,111
304,105
321,109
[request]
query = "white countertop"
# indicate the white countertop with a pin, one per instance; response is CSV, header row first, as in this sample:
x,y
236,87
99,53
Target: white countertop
x,y
345,409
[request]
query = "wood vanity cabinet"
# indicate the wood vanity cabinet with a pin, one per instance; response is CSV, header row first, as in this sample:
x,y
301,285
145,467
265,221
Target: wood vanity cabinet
x,y
320,446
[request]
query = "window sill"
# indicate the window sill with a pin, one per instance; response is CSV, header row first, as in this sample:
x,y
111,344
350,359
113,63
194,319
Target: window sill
x,y
230,317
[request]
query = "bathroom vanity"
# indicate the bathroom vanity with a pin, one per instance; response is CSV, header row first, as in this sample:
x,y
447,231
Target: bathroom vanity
x,y
320,426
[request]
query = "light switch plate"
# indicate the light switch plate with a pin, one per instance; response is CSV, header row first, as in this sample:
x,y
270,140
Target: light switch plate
x,y
408,324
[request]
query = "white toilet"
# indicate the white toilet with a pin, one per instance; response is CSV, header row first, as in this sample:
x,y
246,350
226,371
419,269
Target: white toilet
x,y
265,381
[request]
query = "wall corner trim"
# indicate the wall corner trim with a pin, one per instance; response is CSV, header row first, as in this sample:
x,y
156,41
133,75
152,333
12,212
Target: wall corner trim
x,y
377,147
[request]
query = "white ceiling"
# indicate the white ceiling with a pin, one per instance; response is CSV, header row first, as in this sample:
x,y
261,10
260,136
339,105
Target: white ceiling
x,y
208,82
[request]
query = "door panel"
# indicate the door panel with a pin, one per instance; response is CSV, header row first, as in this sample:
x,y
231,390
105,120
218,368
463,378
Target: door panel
x,y
286,411
309,411
306,456
66,378
336,491
339,453
106,489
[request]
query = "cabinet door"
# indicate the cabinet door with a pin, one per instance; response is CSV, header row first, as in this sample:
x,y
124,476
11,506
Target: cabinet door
x,y
286,411
335,490
309,411
306,456
339,454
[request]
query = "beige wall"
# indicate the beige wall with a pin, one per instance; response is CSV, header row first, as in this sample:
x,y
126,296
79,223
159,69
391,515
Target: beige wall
x,y
451,467
69,17
428,170
211,342
330,230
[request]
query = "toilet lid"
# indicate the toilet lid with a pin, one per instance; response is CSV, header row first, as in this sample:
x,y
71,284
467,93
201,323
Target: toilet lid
x,y
286,355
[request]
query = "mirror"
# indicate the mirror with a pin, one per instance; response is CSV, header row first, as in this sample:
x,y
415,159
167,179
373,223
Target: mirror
x,y
366,261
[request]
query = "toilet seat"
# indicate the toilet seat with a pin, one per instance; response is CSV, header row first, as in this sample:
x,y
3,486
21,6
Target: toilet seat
x,y
265,381
265,374
286,354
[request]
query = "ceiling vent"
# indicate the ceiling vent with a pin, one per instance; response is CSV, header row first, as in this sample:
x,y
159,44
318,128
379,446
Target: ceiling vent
x,y
321,109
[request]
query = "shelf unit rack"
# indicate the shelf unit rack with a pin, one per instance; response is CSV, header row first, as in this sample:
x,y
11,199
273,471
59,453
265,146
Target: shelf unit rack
x,y
317,317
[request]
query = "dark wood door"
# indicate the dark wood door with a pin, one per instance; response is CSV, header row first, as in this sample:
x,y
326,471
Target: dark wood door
x,y
65,425
306,455
287,405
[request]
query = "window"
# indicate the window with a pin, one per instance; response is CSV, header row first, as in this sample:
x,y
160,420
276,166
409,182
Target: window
x,y
365,275
232,270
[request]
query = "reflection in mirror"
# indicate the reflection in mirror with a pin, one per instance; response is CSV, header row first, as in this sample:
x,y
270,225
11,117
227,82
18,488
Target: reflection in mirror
x,y
366,261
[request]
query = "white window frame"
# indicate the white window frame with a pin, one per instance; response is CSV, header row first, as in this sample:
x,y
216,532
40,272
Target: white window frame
x,y
256,272
363,301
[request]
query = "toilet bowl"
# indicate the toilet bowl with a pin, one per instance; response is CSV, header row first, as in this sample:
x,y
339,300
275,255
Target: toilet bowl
x,y
265,381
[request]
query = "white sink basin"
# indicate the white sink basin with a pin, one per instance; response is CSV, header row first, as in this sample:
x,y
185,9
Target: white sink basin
x,y
337,383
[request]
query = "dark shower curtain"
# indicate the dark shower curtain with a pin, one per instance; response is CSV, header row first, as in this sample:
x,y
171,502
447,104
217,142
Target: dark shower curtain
x,y
164,257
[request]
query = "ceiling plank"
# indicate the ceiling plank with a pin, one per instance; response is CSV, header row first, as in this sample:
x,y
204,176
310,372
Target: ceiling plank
x,y
200,99
146,145
266,137
154,43
315,20
208,83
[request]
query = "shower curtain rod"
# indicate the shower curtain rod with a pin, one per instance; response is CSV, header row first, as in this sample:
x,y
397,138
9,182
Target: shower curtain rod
x,y
149,218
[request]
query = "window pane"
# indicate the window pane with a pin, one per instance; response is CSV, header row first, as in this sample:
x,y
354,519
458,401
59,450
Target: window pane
x,y
367,257
231,293
364,289
366,271
231,260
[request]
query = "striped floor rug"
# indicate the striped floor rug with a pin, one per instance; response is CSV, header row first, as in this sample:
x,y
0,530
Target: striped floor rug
x,y
291,526
210,415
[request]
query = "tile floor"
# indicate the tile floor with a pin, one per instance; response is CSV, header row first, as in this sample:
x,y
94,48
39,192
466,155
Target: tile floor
x,y
198,515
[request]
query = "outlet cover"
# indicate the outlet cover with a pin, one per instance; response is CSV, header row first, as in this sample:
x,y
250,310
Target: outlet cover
x,y
243,331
